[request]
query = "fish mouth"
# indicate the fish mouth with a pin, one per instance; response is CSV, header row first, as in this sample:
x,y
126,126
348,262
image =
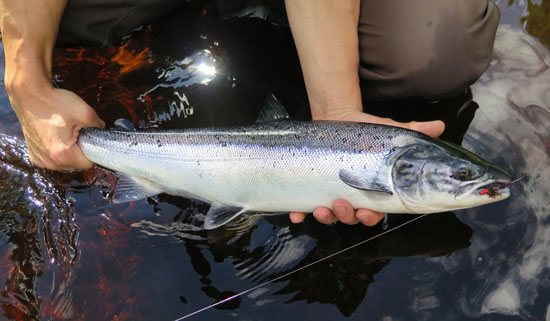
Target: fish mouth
x,y
493,189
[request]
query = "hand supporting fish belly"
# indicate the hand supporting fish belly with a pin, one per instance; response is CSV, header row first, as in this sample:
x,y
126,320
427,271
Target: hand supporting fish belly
x,y
288,165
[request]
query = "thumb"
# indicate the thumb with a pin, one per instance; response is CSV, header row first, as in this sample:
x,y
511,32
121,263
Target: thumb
x,y
87,117
432,128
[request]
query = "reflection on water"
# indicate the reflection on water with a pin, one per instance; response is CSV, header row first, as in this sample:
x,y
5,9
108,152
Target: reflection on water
x,y
66,253
39,239
195,69
523,128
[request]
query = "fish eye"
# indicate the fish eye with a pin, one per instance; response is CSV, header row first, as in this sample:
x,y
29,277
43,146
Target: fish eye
x,y
463,174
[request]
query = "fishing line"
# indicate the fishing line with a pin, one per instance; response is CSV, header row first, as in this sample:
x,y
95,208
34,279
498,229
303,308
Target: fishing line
x,y
298,269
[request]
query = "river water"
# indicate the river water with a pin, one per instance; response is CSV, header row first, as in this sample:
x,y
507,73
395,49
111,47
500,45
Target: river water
x,y
67,253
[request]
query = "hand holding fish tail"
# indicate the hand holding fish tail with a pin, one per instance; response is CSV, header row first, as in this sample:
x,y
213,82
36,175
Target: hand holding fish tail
x,y
50,118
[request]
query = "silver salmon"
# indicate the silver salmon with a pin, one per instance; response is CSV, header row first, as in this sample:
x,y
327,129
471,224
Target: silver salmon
x,y
289,165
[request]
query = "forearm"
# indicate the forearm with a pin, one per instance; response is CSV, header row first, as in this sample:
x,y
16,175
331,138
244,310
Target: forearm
x,y
50,118
29,31
325,33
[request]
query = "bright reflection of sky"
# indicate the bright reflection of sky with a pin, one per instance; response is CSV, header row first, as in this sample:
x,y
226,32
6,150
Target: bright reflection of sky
x,y
195,69
206,69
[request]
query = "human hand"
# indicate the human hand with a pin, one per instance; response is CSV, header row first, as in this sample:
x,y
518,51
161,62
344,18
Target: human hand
x,y
342,210
51,119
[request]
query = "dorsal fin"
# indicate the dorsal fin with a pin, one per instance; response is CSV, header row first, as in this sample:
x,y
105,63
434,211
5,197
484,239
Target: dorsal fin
x,y
272,109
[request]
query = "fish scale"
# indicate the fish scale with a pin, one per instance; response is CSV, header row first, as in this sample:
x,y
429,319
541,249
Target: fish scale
x,y
278,166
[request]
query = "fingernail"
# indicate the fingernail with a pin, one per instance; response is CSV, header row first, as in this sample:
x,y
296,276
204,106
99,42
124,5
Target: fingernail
x,y
340,211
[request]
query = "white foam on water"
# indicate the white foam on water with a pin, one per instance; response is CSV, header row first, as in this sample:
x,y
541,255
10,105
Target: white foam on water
x,y
504,300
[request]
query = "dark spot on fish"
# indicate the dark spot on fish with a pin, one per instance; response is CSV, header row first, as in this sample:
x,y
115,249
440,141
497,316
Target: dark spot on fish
x,y
198,163
183,299
158,143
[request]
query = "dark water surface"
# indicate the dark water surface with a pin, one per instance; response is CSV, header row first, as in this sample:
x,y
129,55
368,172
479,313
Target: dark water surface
x,y
66,253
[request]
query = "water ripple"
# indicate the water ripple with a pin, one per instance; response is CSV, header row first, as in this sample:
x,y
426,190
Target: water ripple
x,y
37,220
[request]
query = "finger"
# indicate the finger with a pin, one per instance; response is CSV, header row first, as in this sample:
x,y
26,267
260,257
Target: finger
x,y
80,113
41,160
324,215
77,160
344,212
63,158
368,217
297,217
89,118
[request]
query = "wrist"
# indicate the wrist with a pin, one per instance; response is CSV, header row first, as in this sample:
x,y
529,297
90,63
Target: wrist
x,y
26,80
28,94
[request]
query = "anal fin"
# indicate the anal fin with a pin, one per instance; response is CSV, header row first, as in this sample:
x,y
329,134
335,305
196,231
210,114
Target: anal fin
x,y
219,215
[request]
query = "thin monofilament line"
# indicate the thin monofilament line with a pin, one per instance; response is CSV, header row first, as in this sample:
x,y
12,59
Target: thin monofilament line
x,y
298,269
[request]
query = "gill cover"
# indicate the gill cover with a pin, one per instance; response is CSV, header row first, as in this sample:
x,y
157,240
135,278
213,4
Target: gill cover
x,y
407,169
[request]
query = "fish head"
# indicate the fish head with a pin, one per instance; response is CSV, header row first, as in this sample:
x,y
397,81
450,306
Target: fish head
x,y
435,176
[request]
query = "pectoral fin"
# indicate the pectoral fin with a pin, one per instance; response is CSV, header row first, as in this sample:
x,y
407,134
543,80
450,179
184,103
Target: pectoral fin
x,y
130,189
357,182
220,214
